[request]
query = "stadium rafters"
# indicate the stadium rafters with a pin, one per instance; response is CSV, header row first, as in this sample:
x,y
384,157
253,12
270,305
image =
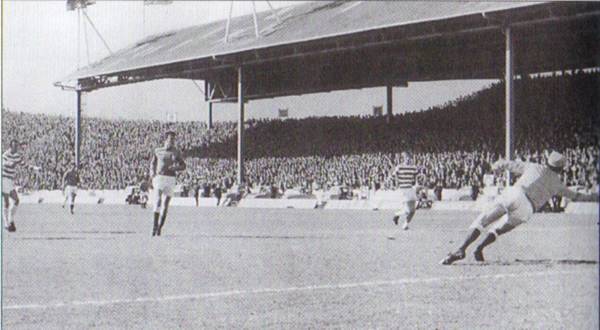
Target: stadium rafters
x,y
327,46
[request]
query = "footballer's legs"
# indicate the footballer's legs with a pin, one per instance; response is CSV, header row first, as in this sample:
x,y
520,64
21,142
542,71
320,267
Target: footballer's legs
x,y
164,213
157,206
502,228
406,214
402,213
72,205
12,210
5,205
412,207
396,219
66,199
483,220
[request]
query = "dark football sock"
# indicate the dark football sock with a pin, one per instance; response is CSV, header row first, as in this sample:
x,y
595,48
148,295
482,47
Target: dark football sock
x,y
470,239
156,217
163,219
490,238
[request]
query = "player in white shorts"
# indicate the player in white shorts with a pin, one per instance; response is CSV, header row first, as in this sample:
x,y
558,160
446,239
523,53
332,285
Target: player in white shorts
x,y
70,182
166,161
537,184
11,159
407,174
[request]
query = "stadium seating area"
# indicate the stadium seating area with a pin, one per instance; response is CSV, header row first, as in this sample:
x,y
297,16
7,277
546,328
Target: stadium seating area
x,y
114,153
454,143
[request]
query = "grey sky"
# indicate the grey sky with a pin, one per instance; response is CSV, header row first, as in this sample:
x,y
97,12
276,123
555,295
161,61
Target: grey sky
x,y
39,47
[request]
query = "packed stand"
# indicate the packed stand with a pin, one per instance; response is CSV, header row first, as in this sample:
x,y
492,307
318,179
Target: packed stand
x,y
454,144
114,154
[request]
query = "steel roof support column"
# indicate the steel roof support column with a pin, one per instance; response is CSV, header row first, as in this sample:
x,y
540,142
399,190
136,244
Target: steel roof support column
x,y
210,122
255,20
78,130
240,141
509,98
228,22
388,89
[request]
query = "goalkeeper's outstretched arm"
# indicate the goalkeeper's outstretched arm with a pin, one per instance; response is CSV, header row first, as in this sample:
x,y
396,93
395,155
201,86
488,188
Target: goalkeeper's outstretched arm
x,y
515,167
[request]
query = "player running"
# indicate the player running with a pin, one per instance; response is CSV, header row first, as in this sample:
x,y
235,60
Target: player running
x,y
407,177
537,184
70,182
166,161
10,160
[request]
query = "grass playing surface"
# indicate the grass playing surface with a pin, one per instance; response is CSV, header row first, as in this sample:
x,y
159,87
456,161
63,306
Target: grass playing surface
x,y
248,268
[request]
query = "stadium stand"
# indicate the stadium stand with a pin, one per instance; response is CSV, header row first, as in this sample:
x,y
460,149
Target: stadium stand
x,y
454,144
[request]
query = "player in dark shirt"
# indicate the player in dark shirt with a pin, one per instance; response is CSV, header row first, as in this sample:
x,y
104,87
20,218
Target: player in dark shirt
x,y
166,161
218,193
196,189
205,190
70,182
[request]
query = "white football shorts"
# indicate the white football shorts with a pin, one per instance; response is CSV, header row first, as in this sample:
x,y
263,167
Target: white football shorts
x,y
164,184
517,205
70,190
8,185
408,199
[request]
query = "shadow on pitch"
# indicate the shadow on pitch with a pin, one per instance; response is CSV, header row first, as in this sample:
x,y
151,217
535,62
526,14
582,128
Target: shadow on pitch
x,y
77,238
112,232
530,262
283,237
56,238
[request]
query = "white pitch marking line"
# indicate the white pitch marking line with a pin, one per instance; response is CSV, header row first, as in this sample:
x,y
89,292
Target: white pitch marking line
x,y
284,290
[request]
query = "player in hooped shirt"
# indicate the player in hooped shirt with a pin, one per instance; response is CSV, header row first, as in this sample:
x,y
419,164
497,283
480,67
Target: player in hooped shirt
x,y
166,161
11,160
407,177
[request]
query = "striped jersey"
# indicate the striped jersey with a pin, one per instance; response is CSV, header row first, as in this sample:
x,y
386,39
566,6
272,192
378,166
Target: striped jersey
x,y
407,175
10,161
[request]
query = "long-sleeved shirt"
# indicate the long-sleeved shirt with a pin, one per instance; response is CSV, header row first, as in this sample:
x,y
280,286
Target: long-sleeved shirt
x,y
539,182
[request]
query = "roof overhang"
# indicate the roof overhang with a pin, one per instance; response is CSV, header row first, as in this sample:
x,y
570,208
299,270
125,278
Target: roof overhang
x,y
468,44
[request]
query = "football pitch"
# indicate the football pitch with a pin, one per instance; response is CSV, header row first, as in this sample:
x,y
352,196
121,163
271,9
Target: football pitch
x,y
268,268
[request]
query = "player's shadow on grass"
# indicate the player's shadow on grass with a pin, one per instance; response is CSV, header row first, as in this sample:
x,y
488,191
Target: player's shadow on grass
x,y
56,238
529,262
258,236
90,235
112,232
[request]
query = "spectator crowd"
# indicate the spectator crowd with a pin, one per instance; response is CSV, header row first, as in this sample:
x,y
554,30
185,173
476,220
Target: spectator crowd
x,y
114,153
453,144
